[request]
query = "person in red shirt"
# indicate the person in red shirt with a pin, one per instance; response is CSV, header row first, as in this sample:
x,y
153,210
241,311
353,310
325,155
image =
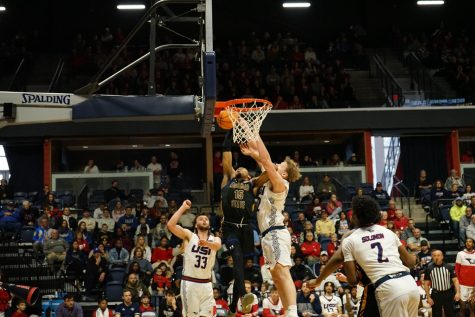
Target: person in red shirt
x,y
333,245
83,245
163,252
251,310
310,248
20,311
272,305
160,282
465,270
221,304
391,210
145,305
400,222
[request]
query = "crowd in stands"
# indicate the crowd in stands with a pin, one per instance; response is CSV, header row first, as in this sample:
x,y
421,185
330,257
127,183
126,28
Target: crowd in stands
x,y
449,53
278,67
92,246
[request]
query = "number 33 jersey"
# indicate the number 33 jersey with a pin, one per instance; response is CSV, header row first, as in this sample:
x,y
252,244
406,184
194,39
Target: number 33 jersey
x,y
198,260
375,249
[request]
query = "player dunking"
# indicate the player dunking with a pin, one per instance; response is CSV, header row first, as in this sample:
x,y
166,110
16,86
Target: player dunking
x,y
379,253
200,253
275,237
237,200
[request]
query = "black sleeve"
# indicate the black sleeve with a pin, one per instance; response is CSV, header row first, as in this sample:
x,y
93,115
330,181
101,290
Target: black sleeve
x,y
427,272
451,270
228,141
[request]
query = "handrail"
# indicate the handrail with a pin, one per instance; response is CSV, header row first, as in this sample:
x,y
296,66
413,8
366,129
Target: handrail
x,y
390,85
17,71
56,76
404,193
421,76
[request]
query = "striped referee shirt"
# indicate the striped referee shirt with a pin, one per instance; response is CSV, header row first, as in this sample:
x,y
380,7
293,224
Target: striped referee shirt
x,y
440,275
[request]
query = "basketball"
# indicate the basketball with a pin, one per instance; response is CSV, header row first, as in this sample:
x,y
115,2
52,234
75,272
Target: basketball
x,y
224,120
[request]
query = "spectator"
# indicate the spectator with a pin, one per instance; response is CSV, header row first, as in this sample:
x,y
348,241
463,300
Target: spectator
x,y
137,167
127,308
118,211
324,227
96,271
384,219
156,168
72,221
308,304
414,242
55,249
334,206
102,310
423,187
424,255
163,252
438,191
91,167
254,309
454,178
136,287
464,223
41,235
69,308
331,304
113,192
118,256
28,214
333,245
75,262
160,282
380,195
300,272
252,273
129,220
299,224
316,268
456,213
409,231
470,232
306,190
325,188
222,306
160,231
5,192
353,160
106,220
454,192
272,305
142,243
170,306
310,248
391,210
145,266
400,222
82,238
97,214
468,194
146,309
351,301
88,220
10,221
342,225
20,309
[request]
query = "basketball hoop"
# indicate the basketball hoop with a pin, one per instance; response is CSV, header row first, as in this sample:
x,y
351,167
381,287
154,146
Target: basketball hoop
x,y
247,115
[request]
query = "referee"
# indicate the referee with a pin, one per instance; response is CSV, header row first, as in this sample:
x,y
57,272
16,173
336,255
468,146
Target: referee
x,y
441,276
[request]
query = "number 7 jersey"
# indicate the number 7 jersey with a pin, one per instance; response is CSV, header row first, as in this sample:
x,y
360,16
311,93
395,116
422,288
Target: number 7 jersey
x,y
375,249
198,260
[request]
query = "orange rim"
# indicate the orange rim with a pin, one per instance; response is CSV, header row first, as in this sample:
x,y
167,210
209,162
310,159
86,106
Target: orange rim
x,y
220,105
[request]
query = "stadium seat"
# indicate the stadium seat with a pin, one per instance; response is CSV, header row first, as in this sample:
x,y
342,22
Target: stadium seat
x,y
26,234
116,274
113,291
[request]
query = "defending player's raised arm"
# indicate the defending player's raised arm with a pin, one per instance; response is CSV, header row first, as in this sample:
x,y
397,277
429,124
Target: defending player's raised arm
x,y
227,159
173,225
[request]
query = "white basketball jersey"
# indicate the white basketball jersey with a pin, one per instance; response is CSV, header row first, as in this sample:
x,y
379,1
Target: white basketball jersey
x,y
198,261
422,292
271,206
355,306
375,249
330,304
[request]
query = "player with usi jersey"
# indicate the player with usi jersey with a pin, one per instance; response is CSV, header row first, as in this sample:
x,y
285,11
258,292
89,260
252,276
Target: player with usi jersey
x,y
331,304
465,271
379,253
198,260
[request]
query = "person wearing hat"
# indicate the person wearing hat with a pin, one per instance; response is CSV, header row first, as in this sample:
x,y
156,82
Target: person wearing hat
x,y
456,212
380,195
10,220
424,255
322,261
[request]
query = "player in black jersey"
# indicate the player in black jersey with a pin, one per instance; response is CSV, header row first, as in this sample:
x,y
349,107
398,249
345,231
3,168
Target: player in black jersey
x,y
237,202
368,305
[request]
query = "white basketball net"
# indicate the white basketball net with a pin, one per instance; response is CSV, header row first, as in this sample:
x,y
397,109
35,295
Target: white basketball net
x,y
247,118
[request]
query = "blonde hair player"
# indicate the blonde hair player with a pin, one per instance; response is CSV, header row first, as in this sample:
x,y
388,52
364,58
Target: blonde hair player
x,y
275,237
200,248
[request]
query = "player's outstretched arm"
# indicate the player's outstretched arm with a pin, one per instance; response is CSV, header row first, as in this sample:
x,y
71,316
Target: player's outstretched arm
x,y
351,273
213,245
173,225
227,159
407,259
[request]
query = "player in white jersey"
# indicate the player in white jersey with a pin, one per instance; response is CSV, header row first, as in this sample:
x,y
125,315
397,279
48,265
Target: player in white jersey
x,y
351,301
275,236
198,261
465,271
331,304
379,253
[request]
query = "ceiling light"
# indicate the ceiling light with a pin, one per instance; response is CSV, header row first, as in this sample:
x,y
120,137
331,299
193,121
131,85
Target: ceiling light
x,y
296,4
430,2
326,141
130,6
2,8
135,145
85,147
167,145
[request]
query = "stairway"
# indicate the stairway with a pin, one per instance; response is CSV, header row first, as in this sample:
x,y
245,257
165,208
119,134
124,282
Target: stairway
x,y
438,234
366,88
